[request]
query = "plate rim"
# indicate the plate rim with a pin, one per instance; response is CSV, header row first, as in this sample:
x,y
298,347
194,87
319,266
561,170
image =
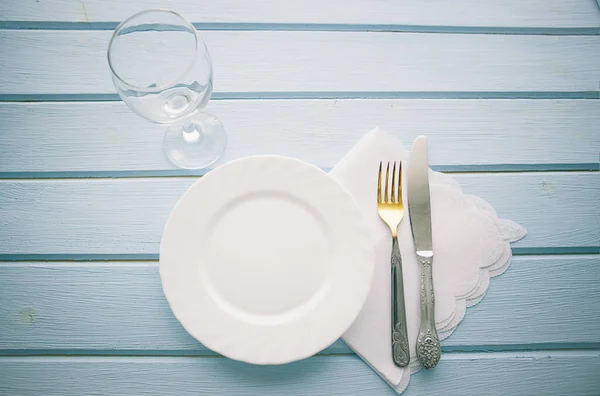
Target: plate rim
x,y
370,246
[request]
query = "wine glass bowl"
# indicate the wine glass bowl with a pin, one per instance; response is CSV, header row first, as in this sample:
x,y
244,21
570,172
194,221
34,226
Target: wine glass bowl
x,y
162,70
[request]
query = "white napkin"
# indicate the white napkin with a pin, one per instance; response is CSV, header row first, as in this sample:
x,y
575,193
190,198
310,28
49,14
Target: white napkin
x,y
471,244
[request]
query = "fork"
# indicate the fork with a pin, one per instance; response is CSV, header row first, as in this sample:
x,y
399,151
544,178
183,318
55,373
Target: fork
x,y
391,211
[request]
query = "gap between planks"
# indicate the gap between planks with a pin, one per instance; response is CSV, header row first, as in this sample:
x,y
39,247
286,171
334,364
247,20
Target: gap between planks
x,y
151,257
318,27
160,173
446,355
341,95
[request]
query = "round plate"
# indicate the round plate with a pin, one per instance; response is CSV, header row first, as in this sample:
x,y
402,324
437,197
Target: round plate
x,y
266,260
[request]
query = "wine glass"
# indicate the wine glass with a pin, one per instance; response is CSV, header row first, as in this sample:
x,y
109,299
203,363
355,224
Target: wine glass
x,y
162,70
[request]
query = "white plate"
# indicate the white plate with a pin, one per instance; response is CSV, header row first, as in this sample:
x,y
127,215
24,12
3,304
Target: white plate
x,y
266,260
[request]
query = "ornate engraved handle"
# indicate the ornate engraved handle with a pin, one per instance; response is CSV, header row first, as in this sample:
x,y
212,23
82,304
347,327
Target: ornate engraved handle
x,y
400,351
428,342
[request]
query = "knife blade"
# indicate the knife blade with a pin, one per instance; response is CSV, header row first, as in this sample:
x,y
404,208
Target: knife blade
x,y
419,204
419,208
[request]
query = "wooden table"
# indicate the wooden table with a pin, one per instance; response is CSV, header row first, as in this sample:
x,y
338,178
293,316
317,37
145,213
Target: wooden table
x,y
506,90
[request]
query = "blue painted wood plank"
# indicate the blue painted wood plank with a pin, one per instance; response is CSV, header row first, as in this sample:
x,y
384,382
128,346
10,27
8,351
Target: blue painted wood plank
x,y
413,62
108,140
119,308
126,216
533,373
459,13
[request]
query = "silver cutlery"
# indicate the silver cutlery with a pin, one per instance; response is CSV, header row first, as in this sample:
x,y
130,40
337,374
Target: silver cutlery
x,y
419,207
391,211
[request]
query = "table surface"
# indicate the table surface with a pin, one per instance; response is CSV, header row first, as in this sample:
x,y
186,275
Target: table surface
x,y
506,90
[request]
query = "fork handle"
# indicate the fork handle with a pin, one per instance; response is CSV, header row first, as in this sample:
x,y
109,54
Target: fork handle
x,y
400,350
428,342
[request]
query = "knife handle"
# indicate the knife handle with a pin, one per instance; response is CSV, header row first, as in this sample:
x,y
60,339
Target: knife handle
x,y
428,342
400,350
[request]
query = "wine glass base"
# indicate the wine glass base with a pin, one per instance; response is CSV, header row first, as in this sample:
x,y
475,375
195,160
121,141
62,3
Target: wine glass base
x,y
199,144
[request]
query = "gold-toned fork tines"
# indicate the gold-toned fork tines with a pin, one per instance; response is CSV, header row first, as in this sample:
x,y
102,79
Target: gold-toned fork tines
x,y
391,211
389,201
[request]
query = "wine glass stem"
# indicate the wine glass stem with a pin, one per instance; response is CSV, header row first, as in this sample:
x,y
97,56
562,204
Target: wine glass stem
x,y
191,131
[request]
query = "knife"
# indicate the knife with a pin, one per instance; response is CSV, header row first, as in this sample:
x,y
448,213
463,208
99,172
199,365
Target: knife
x,y
419,209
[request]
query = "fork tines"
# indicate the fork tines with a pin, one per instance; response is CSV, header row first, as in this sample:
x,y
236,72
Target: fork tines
x,y
383,195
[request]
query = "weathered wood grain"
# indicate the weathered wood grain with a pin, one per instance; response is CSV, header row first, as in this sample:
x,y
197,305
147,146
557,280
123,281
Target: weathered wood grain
x,y
103,216
119,308
107,136
67,62
515,13
524,373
